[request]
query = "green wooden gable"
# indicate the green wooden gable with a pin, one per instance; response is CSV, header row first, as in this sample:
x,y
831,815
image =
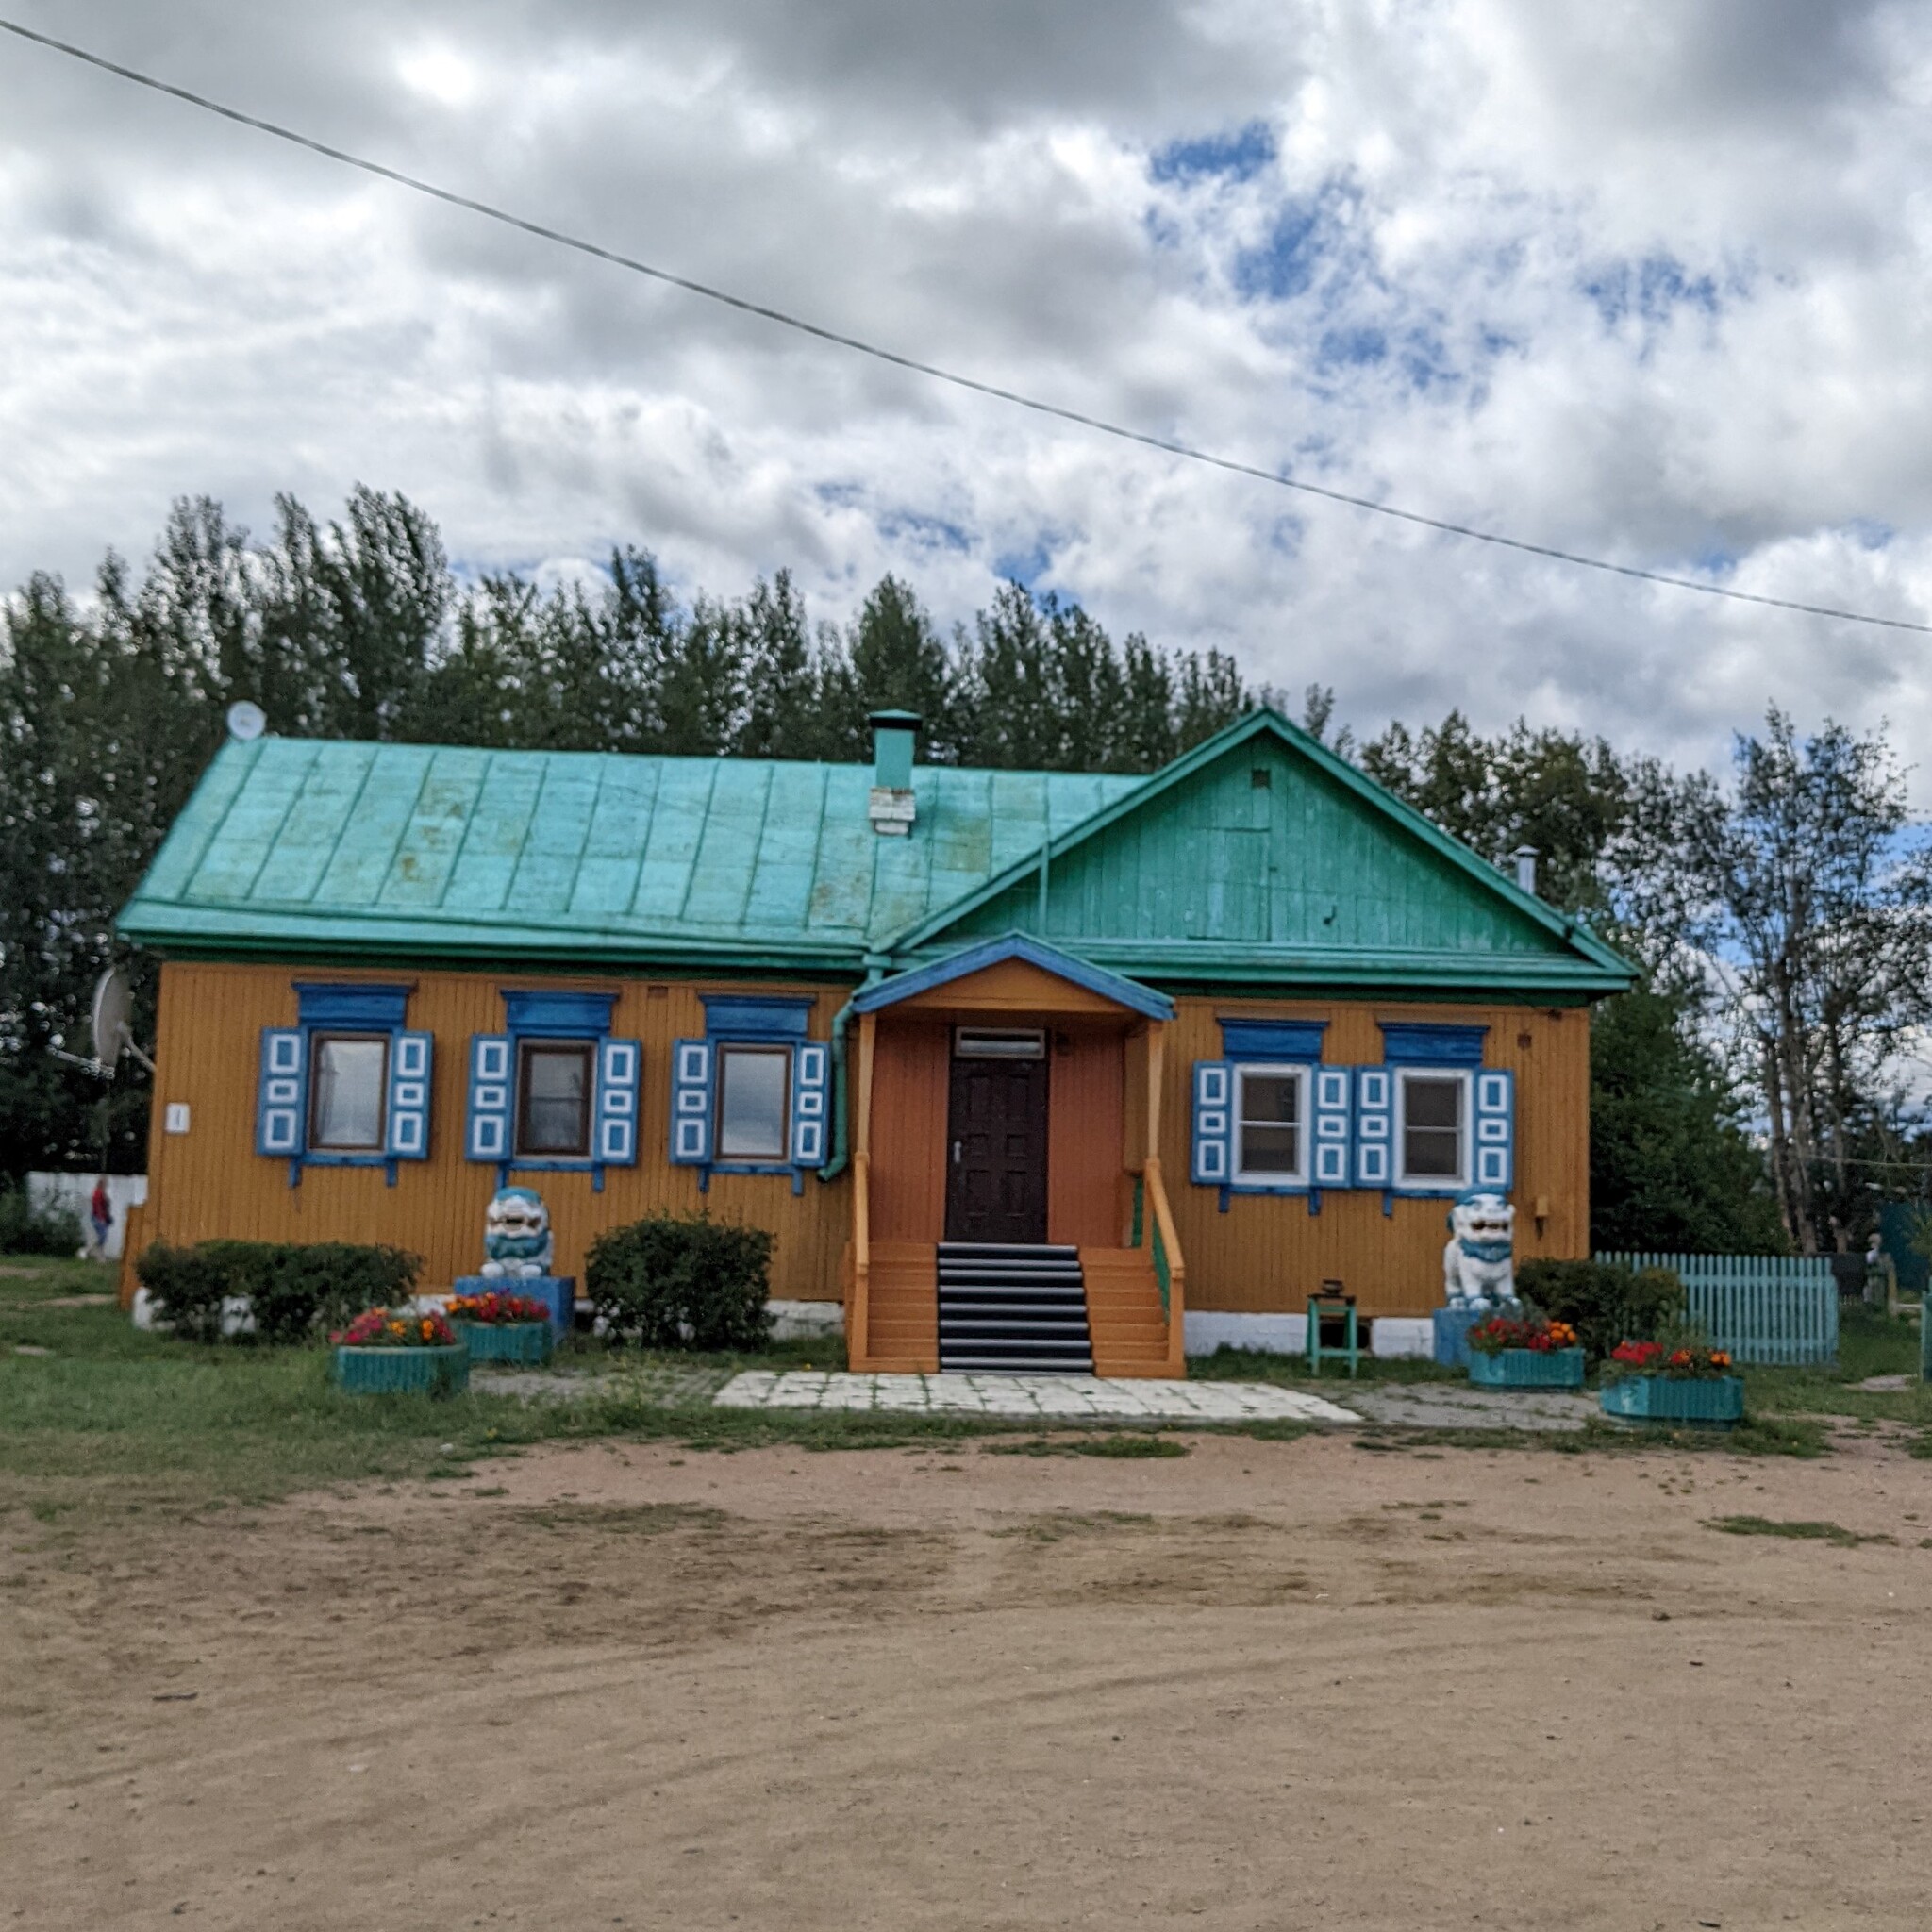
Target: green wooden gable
x,y
1261,853
1259,859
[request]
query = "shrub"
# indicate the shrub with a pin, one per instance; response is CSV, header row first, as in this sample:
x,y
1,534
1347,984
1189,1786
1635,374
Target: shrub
x,y
1606,1304
291,1288
676,1281
25,1229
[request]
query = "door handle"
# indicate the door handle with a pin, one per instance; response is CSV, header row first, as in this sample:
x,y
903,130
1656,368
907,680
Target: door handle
x,y
956,1153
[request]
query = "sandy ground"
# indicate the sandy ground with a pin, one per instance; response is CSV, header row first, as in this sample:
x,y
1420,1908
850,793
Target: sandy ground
x,y
1272,1684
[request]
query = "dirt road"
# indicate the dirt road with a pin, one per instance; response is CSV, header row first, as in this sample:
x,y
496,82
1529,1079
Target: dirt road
x,y
1270,1685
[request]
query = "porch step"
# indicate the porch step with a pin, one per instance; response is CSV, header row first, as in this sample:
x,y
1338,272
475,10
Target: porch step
x,y
1005,1308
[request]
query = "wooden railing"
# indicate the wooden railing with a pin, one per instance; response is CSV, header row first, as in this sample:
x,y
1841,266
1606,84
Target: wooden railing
x,y
858,1340
1154,1231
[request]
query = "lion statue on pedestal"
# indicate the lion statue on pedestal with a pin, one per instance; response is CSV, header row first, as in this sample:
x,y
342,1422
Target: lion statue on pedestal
x,y
517,1241
1479,1264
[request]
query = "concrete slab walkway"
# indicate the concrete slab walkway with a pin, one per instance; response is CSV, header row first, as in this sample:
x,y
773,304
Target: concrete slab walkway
x,y
1450,1406
1031,1398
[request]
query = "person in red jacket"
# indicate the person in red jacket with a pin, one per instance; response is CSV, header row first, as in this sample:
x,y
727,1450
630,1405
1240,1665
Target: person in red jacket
x,y
100,1214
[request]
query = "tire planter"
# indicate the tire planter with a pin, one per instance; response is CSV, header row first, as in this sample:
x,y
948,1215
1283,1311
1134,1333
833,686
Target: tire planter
x,y
1714,1404
1527,1367
404,1371
507,1342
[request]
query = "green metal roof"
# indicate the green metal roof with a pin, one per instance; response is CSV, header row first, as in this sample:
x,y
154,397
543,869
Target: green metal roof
x,y
294,843
1259,859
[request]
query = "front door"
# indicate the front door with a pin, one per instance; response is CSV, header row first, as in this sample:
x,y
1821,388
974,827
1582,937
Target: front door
x,y
996,1145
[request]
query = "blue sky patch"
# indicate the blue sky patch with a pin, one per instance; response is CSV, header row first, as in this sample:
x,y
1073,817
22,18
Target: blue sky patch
x,y
1237,157
1649,289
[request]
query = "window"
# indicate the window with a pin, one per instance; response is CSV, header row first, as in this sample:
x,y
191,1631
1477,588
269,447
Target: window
x,y
1271,1112
1433,1134
754,1102
554,1097
348,1079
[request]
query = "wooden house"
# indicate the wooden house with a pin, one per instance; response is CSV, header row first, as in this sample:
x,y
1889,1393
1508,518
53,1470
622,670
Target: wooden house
x,y
1023,1067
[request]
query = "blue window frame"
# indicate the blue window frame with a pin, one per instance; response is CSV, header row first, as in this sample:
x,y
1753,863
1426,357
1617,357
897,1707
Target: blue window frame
x,y
348,1085
555,1091
753,1096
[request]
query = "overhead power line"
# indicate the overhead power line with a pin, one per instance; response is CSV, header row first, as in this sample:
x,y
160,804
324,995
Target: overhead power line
x,y
858,345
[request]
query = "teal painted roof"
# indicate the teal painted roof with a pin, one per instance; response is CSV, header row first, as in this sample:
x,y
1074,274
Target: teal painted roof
x,y
1259,858
295,841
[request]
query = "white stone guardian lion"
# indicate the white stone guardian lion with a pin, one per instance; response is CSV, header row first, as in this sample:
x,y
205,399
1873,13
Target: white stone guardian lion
x,y
1479,1265
516,1236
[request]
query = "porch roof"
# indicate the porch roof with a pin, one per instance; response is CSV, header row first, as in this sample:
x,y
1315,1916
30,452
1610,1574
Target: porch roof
x,y
1122,991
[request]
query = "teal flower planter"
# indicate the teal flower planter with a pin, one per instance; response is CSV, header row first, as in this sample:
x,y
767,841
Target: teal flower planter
x,y
1527,1367
1715,1403
404,1371
507,1342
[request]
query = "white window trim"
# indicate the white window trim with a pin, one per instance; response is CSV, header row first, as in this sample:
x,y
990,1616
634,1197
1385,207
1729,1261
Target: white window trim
x,y
1433,1183
1304,1126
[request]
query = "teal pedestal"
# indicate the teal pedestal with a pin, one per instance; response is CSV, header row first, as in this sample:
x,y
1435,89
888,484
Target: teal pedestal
x,y
1715,1403
557,1293
404,1371
1451,1335
1527,1367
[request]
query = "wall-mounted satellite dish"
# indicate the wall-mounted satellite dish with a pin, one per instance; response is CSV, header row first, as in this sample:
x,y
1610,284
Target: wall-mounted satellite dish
x,y
246,720
113,1004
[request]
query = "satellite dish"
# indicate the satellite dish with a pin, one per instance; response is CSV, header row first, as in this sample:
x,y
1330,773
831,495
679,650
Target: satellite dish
x,y
113,1002
112,1005
246,720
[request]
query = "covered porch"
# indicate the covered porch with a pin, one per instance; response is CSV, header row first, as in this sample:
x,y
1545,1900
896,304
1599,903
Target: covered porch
x,y
1009,1209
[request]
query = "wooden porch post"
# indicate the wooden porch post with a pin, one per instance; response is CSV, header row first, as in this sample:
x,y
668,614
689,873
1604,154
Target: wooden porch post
x,y
857,1335
1163,1236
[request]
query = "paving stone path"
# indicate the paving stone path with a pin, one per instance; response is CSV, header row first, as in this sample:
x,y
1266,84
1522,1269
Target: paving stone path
x,y
1032,1398
1449,1405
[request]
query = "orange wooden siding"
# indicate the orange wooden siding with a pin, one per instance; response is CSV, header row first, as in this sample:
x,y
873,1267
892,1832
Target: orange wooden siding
x,y
1267,1255
1085,1175
210,1181
911,1086
1263,1255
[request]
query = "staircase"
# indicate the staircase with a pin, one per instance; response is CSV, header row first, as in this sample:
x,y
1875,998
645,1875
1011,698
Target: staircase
x,y
1013,1309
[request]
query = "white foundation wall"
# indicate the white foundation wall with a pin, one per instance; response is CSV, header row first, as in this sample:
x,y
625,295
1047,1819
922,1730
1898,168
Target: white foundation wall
x,y
1389,1336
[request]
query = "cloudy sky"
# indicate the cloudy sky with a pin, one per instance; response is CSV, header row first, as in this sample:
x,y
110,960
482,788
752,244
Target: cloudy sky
x,y
1647,278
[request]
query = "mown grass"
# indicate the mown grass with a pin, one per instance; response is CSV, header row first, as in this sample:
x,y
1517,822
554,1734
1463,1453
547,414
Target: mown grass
x,y
1292,1371
1834,1533
101,1416
105,1416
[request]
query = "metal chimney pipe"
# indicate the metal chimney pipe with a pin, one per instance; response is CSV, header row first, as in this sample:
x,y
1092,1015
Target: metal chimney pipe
x,y
1526,858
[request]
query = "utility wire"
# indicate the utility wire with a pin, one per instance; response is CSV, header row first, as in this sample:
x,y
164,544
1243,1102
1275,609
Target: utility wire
x,y
1059,411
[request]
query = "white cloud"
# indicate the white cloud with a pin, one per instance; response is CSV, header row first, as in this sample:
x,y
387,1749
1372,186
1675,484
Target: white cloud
x,y
1647,280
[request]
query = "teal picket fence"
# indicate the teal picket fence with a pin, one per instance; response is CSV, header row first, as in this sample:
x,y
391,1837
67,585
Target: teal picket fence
x,y
1772,1309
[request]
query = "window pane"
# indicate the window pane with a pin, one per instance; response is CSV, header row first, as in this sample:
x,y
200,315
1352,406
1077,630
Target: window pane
x,y
1432,1129
751,1103
1271,1140
348,1078
1270,1150
1270,1097
554,1096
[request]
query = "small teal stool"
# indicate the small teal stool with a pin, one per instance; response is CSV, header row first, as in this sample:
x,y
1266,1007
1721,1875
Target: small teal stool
x,y
1333,1305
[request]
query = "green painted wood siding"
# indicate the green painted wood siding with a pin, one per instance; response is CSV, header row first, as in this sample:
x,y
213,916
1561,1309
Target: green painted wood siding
x,y
1298,863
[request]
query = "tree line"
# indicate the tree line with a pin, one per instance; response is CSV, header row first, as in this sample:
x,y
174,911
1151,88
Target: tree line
x,y
1750,1094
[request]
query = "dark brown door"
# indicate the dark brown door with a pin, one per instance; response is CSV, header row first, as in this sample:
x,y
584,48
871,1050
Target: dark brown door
x,y
996,1151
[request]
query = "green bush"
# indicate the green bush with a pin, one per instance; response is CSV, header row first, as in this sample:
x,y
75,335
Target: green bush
x,y
292,1289
25,1229
675,1281
1606,1304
